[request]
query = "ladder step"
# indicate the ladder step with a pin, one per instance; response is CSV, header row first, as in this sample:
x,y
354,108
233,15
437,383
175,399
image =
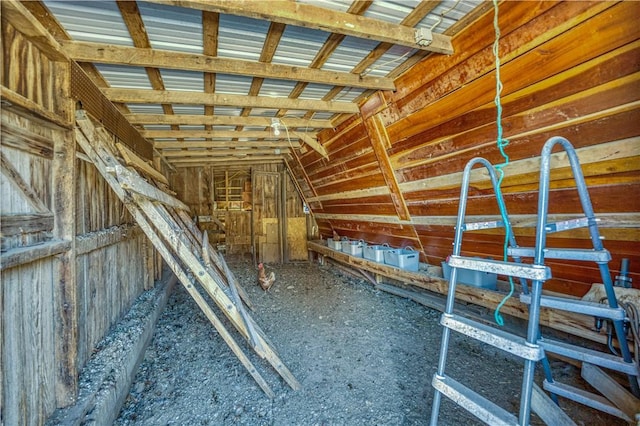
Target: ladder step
x,y
578,306
476,404
566,225
475,226
563,253
590,356
514,269
584,397
492,336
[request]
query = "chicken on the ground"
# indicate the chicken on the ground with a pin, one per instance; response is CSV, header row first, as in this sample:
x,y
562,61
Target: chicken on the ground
x,y
265,281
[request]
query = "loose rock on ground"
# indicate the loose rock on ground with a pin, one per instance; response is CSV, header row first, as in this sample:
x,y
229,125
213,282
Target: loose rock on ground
x,y
363,357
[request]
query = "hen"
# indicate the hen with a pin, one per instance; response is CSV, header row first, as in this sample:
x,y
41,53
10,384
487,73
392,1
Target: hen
x,y
265,281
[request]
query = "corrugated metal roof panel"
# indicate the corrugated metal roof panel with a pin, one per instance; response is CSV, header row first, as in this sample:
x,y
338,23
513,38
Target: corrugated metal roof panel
x,y
91,21
181,29
172,28
348,54
125,77
299,46
241,38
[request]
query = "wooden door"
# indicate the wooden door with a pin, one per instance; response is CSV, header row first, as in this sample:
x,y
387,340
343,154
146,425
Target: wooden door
x,y
267,214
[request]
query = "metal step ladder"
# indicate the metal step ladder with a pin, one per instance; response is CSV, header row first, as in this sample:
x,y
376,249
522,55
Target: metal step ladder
x,y
532,348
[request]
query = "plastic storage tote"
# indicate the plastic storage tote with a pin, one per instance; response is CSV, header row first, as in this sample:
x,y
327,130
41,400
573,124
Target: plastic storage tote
x,y
333,244
376,252
474,278
406,258
353,247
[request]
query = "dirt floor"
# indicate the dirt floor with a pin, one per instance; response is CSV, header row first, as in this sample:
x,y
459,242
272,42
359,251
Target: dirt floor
x,y
363,357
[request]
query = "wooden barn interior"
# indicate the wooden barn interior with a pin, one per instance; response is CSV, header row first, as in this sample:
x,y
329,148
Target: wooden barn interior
x,y
151,141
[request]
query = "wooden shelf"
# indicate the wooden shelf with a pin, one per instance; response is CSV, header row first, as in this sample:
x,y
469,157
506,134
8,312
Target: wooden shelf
x,y
574,324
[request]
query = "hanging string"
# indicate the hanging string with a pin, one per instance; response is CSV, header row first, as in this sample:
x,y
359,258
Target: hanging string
x,y
502,143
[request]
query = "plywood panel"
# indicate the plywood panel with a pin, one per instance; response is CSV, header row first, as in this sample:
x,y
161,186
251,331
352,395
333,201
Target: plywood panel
x,y
297,238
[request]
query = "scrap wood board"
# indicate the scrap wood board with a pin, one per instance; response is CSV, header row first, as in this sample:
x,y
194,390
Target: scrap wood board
x,y
167,224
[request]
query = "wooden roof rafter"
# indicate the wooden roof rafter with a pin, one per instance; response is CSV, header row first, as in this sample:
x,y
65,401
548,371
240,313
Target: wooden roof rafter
x,y
133,20
268,50
210,27
319,18
156,58
307,43
146,96
332,43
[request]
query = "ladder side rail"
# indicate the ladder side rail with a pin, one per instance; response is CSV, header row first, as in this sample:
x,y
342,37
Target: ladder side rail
x,y
457,242
194,233
581,186
83,140
189,238
144,212
585,200
225,304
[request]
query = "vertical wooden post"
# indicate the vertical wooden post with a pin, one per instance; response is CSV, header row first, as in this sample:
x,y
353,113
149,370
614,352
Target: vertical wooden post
x,y
63,206
282,217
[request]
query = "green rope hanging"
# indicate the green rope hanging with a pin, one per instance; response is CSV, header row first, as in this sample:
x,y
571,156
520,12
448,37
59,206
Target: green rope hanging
x,y
502,143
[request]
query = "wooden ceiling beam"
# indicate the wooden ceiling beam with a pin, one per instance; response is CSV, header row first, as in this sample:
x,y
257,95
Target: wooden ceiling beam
x,y
156,58
319,18
226,165
229,152
227,160
135,25
305,137
155,134
161,145
146,96
225,120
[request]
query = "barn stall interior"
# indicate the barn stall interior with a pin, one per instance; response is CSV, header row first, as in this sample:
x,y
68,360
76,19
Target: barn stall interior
x,y
476,158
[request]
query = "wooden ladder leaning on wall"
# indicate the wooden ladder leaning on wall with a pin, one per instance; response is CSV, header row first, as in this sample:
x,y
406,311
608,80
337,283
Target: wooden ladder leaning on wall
x,y
166,223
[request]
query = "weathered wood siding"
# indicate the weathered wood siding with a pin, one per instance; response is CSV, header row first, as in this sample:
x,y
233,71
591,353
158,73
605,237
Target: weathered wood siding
x,y
28,361
71,261
112,258
568,68
260,203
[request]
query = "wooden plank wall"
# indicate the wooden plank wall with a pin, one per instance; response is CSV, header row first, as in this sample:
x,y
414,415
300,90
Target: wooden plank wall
x,y
394,172
28,361
71,260
113,261
262,203
39,88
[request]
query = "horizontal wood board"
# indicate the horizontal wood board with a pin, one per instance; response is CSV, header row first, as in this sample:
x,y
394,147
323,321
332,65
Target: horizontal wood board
x,y
566,71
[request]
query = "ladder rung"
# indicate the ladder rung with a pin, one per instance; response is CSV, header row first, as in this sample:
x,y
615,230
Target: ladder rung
x,y
563,253
583,397
590,356
514,269
492,336
487,411
566,225
578,306
475,226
